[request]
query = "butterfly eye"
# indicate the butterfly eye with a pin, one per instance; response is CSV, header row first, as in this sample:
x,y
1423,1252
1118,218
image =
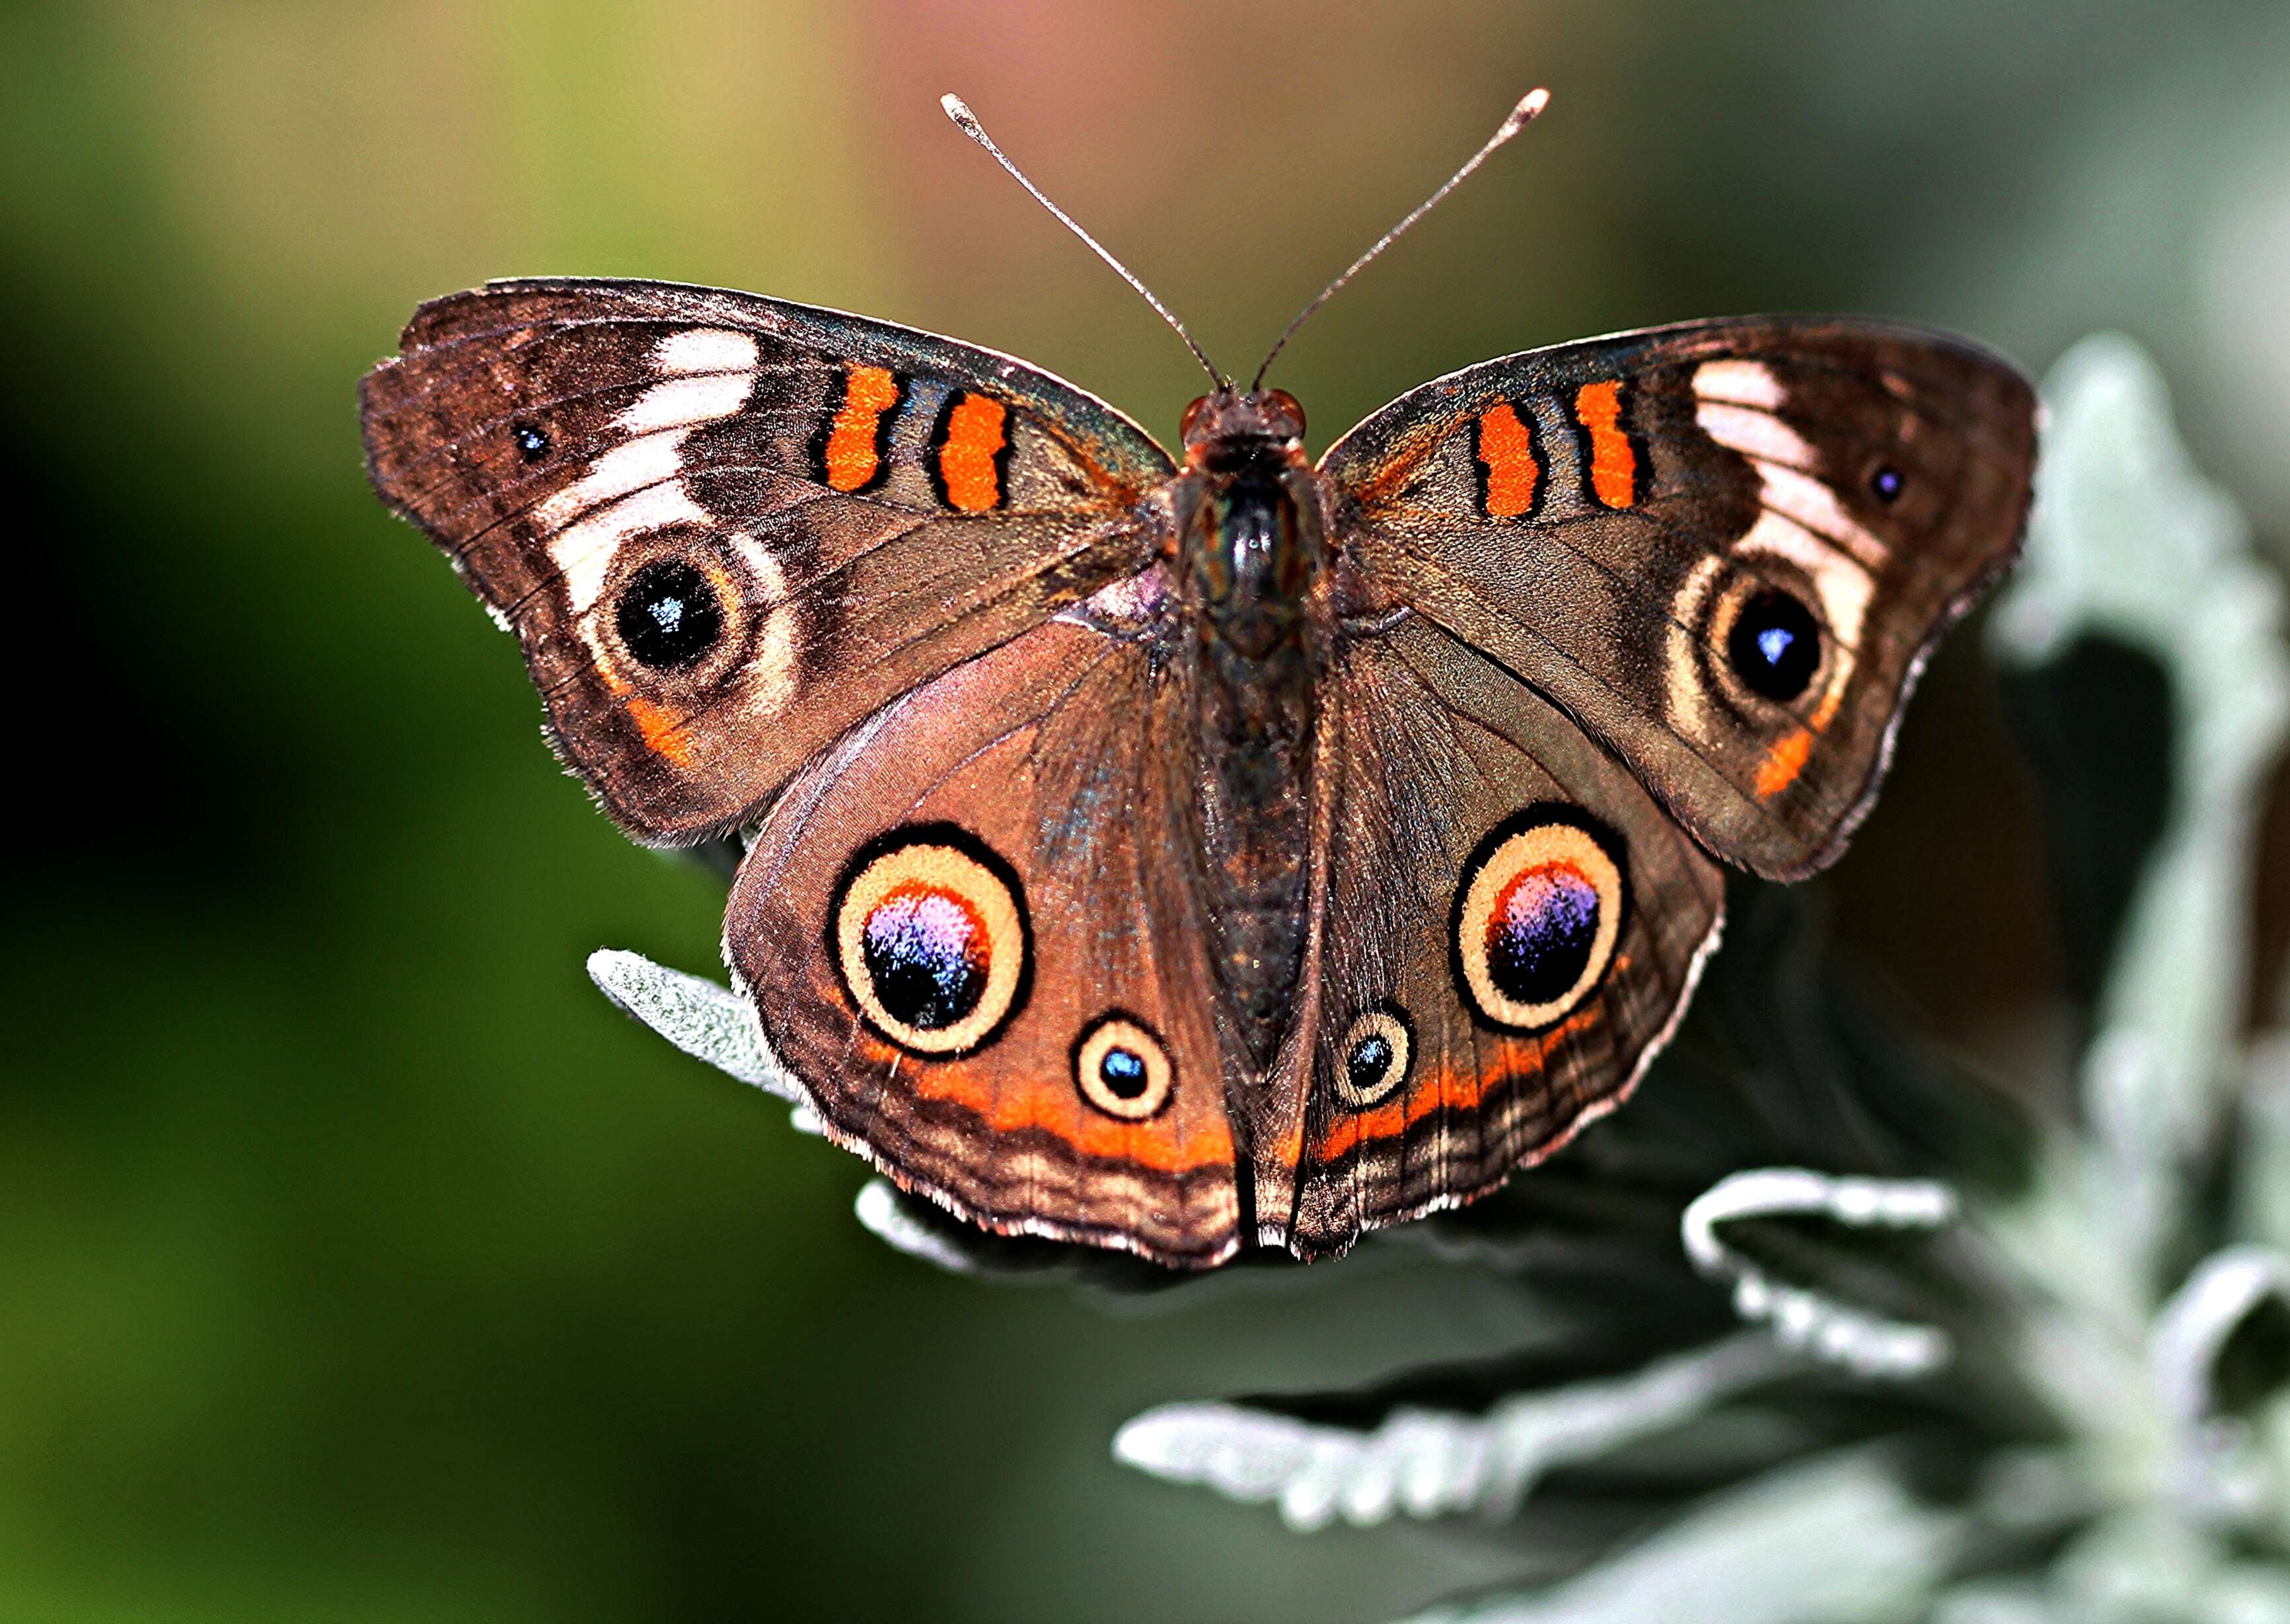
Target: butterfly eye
x,y
1775,646
1886,483
1286,411
1122,1070
1376,1053
931,937
1192,416
669,616
1537,919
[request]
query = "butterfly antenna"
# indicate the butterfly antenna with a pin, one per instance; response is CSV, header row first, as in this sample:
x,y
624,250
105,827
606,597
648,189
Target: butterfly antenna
x,y
966,121
1521,116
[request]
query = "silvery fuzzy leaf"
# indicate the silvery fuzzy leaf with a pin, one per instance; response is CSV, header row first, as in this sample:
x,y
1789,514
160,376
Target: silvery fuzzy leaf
x,y
1816,1321
2242,1293
1428,1463
2129,542
2262,1188
707,1021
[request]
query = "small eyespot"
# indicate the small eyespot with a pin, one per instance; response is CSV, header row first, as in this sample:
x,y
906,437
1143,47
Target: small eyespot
x,y
1536,919
1775,646
1375,1058
668,615
1123,1070
1886,483
931,937
532,445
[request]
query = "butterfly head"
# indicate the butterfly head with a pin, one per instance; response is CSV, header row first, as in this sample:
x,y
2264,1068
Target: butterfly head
x,y
1223,430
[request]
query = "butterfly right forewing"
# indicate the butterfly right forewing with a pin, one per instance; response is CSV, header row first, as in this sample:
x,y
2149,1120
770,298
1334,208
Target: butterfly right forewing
x,y
1725,547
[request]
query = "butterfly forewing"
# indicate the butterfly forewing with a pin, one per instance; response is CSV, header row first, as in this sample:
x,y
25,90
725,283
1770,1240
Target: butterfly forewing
x,y
726,528
1725,547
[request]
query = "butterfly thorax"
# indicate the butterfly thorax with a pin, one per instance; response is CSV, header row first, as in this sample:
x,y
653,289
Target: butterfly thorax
x,y
1250,551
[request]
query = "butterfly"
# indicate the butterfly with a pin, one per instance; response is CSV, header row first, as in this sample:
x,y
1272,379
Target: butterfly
x,y
1172,852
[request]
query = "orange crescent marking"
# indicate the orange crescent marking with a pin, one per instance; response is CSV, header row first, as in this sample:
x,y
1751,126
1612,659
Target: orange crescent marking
x,y
1507,451
1164,1145
663,731
1613,465
1784,763
976,432
851,457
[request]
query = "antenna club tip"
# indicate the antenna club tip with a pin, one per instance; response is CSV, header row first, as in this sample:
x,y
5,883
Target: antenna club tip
x,y
956,108
1529,106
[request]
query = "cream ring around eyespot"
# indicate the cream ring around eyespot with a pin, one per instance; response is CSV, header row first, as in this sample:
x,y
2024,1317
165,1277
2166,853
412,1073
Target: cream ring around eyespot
x,y
1535,925
1123,1070
911,925
1360,1038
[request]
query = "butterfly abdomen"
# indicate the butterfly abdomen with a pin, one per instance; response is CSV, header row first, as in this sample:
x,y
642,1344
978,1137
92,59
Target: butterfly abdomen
x,y
1251,559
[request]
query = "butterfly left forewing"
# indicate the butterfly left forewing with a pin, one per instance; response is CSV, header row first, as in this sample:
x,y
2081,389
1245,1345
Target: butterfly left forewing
x,y
970,932
1512,927
1725,548
844,508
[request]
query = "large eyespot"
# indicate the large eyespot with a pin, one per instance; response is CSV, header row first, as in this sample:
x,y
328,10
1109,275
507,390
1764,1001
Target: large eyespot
x,y
1374,1059
1773,646
669,615
1537,915
1122,1069
930,936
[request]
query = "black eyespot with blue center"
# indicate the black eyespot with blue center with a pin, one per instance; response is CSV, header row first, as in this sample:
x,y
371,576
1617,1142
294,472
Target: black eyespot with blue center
x,y
1122,1069
1370,1059
1122,1073
1376,1051
532,445
1886,483
668,615
1775,646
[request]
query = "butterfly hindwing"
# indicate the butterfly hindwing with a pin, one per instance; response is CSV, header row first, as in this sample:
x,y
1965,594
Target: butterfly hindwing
x,y
726,528
1512,928
970,930
1725,548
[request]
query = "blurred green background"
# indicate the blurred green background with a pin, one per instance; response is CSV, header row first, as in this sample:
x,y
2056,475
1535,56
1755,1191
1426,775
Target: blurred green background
x,y
357,1260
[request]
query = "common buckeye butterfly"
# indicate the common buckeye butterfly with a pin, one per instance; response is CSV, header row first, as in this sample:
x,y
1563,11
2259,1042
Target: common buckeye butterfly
x,y
1163,855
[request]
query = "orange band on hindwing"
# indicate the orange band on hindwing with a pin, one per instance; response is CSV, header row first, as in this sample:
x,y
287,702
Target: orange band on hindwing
x,y
1518,1061
1613,459
969,453
854,444
1511,475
